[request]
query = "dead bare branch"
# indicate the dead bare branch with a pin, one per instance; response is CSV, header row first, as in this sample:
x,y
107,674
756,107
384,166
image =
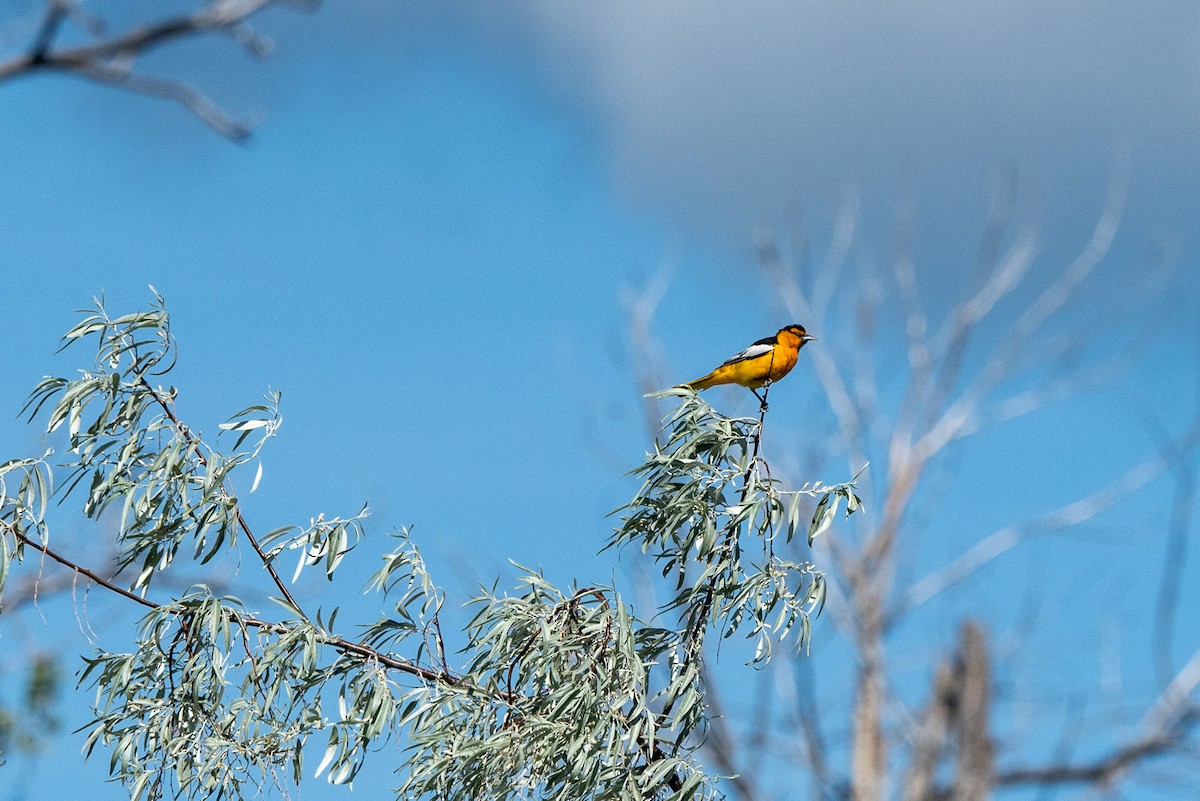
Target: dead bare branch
x,y
1072,514
809,714
204,109
1175,554
960,413
799,308
110,60
1107,769
974,766
920,359
957,714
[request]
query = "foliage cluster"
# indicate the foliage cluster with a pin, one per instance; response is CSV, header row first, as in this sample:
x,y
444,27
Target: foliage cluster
x,y
557,693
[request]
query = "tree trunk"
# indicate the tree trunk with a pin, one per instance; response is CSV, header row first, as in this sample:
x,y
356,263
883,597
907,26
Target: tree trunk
x,y
958,713
975,770
869,759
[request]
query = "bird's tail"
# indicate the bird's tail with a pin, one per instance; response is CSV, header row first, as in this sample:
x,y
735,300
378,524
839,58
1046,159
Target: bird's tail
x,y
698,384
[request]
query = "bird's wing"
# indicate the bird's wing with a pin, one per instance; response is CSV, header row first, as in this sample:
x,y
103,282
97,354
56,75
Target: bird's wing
x,y
759,348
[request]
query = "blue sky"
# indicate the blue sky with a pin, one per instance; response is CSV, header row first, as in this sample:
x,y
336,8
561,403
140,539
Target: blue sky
x,y
426,244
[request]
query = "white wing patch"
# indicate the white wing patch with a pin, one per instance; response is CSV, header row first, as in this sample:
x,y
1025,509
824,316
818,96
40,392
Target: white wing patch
x,y
750,352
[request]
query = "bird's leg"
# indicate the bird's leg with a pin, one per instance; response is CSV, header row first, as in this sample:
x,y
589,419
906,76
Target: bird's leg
x,y
762,399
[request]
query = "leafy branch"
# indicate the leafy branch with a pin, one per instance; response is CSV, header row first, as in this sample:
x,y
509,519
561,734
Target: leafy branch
x,y
559,693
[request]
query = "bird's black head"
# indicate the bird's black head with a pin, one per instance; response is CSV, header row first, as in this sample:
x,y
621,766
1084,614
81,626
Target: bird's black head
x,y
799,331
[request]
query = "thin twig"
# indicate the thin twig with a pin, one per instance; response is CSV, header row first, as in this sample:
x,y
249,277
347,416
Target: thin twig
x,y
1104,770
1175,553
640,307
692,639
1071,514
961,412
809,714
338,643
56,12
83,571
920,360
109,61
204,109
840,399
216,17
195,443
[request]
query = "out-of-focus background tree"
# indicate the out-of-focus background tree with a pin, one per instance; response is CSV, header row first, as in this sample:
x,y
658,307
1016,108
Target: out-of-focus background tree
x,y
985,214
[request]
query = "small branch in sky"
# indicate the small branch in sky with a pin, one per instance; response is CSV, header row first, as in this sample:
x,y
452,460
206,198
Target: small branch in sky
x,y
204,109
1071,514
1108,768
186,434
110,60
338,643
83,571
55,14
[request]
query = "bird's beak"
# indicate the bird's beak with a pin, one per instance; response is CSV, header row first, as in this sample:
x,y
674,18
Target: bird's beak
x,y
807,338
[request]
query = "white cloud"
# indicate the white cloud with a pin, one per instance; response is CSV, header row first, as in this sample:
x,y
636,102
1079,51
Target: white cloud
x,y
727,111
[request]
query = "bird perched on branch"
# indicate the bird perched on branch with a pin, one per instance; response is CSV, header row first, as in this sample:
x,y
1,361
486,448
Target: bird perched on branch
x,y
759,365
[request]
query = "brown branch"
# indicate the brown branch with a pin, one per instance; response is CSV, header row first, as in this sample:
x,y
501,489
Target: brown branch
x,y
30,590
1102,771
109,60
692,638
868,759
195,443
957,713
338,643
83,571
974,766
216,17
55,14
1165,728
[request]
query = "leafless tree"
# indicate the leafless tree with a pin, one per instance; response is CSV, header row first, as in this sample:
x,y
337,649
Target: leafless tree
x,y
965,372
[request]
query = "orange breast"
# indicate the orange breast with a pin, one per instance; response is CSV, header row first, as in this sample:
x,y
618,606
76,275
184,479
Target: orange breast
x,y
784,361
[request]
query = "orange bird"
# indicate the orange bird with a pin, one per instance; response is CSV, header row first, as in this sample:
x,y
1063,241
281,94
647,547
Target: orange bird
x,y
764,362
